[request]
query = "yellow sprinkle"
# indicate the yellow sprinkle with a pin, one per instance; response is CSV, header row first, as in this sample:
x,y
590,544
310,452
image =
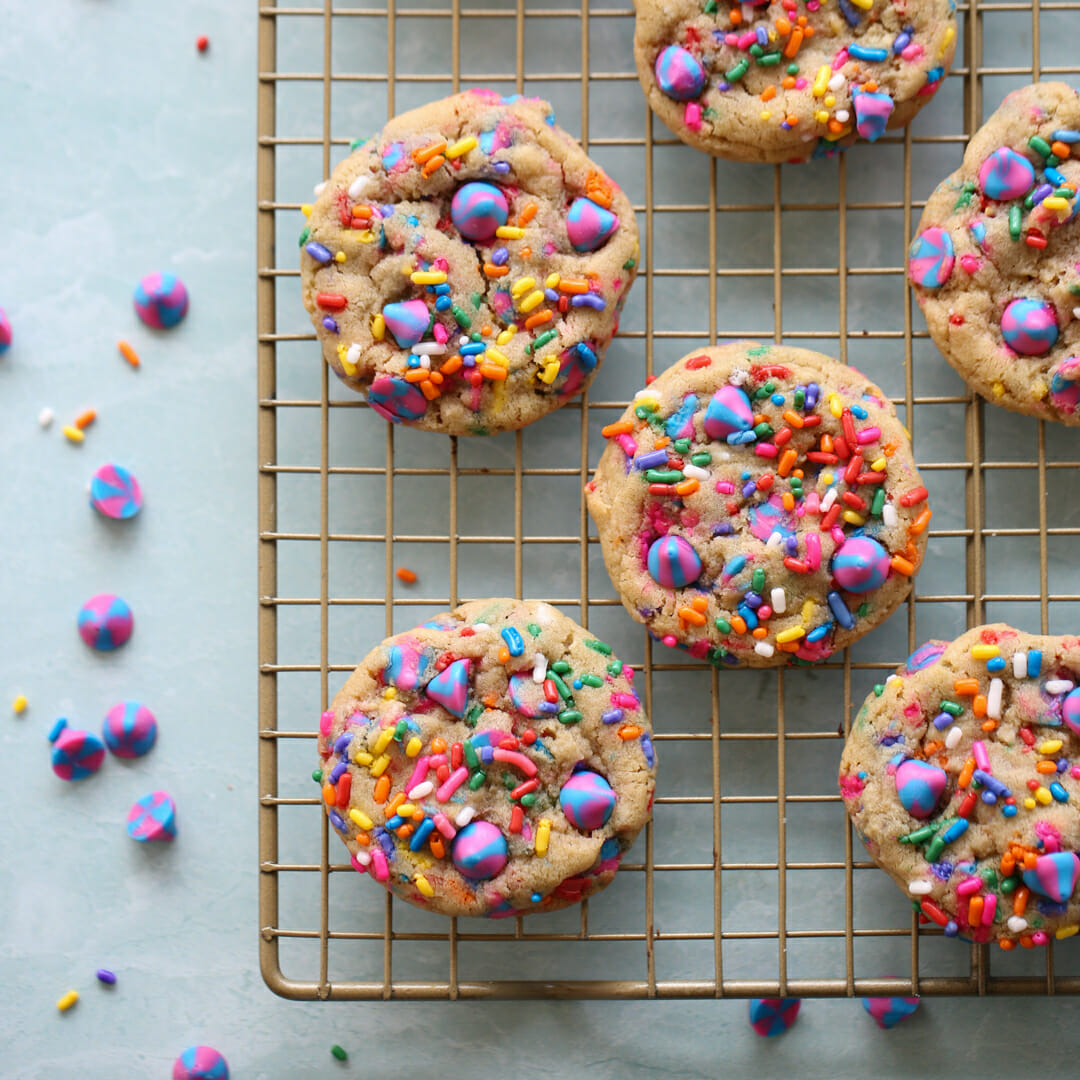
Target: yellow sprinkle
x,y
772,34
365,236
551,370
543,833
462,146
1043,795
998,388
73,433
306,209
19,704
552,281
1029,804
1055,202
339,257
413,747
827,478
534,299
1051,746
834,402
791,634
378,328
361,819
522,286
386,736
380,765
821,116
830,101
422,882
1065,931
389,693
498,357
807,611
950,33
765,114
853,519
68,1000
363,758
1039,389
343,359
506,335
880,465
866,5
982,651
821,80
406,809
428,277
509,232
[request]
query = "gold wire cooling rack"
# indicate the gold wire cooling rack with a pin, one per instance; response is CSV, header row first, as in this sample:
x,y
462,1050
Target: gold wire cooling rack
x,y
746,883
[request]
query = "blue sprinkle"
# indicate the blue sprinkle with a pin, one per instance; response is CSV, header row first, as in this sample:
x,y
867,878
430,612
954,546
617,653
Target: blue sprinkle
x,y
442,290
989,798
1059,793
395,822
1009,811
735,565
319,253
725,528
444,303
819,632
586,355
474,348
551,296
1066,135
423,831
840,610
901,42
951,929
1054,176
864,52
651,460
59,726
1034,663
612,716
536,898
934,75
413,360
762,36
650,754
681,417
513,641
777,399
749,616
955,830
997,663
486,754
859,412
992,783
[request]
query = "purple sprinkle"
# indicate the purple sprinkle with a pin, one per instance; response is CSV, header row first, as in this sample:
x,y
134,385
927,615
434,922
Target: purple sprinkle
x,y
1041,192
1062,765
336,771
548,707
647,749
501,166
650,460
337,821
486,754
942,721
725,528
319,253
341,743
330,324
723,87
901,42
551,295
748,489
386,842
386,210
106,976
469,361
752,600
812,392
597,303
786,126
499,256
612,716
792,545
762,36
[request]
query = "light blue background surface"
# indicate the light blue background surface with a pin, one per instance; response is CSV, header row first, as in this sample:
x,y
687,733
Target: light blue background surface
x,y
124,151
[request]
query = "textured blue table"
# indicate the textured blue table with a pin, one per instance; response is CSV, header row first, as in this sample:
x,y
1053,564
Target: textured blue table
x,y
125,151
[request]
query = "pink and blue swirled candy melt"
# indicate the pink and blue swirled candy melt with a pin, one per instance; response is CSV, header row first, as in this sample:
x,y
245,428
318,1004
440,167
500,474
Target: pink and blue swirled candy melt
x,y
152,818
889,1011
115,492
200,1063
1029,327
130,729
860,565
931,260
589,225
679,74
75,754
587,800
1006,175
478,209
396,400
161,300
919,786
479,851
673,562
773,1016
105,622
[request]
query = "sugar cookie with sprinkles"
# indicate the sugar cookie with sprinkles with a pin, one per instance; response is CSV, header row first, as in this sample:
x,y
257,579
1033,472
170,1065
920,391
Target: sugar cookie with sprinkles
x,y
758,505
465,268
961,775
786,81
995,263
493,761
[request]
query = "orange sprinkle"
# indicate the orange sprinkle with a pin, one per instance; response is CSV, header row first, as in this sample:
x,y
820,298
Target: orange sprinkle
x,y
573,287
835,127
361,211
920,522
966,687
84,420
1030,858
491,270
433,165
989,725
436,378
329,794
430,390
687,487
826,444
620,427
1061,149
628,732
768,93
787,462
363,839
661,442
382,789
527,214
794,419
975,910
789,646
451,365
503,655
490,700
902,566
438,745
871,86
404,831
1008,864
426,153
1046,767
417,815
808,31
394,803
760,633
788,82
417,375
437,847
966,773
783,26
978,706
735,15
792,119
1020,899
788,501
691,616
492,372
932,747
128,353
799,473
699,603
538,319
801,21
794,42
406,575
1007,944
526,252
738,624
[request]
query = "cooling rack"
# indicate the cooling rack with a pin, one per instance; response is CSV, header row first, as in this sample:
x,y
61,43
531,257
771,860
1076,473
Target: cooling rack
x,y
747,882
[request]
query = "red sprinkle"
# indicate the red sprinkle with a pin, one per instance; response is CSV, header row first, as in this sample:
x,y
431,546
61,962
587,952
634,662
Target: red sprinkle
x,y
524,788
528,736
696,362
1028,736
406,575
550,693
932,911
202,43
915,495
329,301
797,566
870,478
517,815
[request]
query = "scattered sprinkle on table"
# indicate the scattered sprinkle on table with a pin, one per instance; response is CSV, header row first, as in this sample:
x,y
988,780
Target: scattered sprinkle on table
x,y
104,975
18,706
46,417
85,419
128,353
406,575
69,999
202,43
5,333
72,433
339,1052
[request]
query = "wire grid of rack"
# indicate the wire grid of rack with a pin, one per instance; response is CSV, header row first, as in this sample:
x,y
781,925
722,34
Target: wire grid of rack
x,y
746,883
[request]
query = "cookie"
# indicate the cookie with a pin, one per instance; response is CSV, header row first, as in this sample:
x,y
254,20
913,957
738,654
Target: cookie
x,y
465,268
995,264
758,504
493,761
961,777
770,82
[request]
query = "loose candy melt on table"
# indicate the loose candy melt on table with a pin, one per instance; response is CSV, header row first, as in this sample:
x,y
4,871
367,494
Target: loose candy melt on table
x,y
153,818
76,754
105,622
773,1016
130,729
200,1063
115,492
161,300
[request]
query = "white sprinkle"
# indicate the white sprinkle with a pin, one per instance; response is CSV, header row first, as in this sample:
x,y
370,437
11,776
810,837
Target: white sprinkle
x,y
830,498
1076,312
696,472
952,740
466,815
763,648
429,348
359,186
352,354
363,858
888,515
1017,924
425,361
779,601
45,417
539,667
837,81
739,377
993,699
320,188
919,888
775,540
641,394
425,787
1058,686
481,626
1019,665
843,115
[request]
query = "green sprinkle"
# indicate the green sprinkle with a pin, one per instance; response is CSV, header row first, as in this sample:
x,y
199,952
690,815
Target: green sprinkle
x,y
710,114
476,781
1014,222
543,339
474,336
989,877
560,667
934,849
763,431
1053,161
919,835
533,629
355,143
470,755
952,708
641,412
760,393
879,502
710,7
770,60
799,398
738,71
793,69
864,610
598,646
509,781
462,318
615,668
1064,192
569,716
723,626
474,714
1009,885
304,237
317,776
703,457
663,476
756,51
758,350
629,264
1074,288
476,298
1040,145
965,198
879,689
1029,202
564,690
592,680
400,729
757,580
769,387
529,799
339,1052
681,446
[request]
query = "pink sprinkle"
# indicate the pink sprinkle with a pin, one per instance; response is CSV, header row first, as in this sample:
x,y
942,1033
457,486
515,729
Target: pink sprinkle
x,y
812,5
436,761
725,487
813,550
670,640
764,612
732,40
692,116
442,823
913,51
748,39
512,757
357,865
970,263
801,84
765,449
440,333
838,535
326,722
378,864
978,748
968,886
839,60
989,907
453,782
1039,937
813,503
625,701
868,435
628,445
1075,772
418,774
441,264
